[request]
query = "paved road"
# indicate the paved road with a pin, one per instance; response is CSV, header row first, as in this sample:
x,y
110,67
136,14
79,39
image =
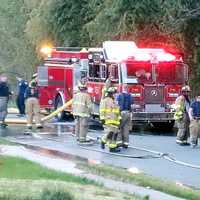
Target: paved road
x,y
57,137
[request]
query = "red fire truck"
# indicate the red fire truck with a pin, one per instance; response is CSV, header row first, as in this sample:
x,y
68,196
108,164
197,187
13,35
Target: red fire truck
x,y
59,75
154,78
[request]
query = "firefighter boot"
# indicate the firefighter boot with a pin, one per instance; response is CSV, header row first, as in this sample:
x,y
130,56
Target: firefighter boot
x,y
114,150
103,142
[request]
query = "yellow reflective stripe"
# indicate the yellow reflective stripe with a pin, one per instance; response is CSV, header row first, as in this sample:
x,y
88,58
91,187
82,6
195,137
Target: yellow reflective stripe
x,y
107,110
111,121
112,146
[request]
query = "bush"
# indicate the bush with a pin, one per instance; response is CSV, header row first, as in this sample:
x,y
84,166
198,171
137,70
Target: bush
x,y
56,195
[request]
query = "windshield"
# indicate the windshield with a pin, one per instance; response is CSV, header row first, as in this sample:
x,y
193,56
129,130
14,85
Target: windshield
x,y
170,72
140,71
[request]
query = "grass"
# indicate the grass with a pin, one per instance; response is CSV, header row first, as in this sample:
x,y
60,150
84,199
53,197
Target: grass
x,y
142,180
21,179
18,168
3,141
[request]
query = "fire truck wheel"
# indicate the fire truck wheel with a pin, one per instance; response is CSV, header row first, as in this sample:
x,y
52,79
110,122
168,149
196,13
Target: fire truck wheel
x,y
168,126
58,103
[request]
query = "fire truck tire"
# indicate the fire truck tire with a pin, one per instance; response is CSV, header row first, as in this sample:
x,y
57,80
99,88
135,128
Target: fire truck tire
x,y
167,126
59,103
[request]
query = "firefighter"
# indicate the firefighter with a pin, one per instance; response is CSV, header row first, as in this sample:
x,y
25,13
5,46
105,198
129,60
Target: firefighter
x,y
33,79
4,97
110,117
32,106
107,85
125,101
194,114
81,109
181,116
22,85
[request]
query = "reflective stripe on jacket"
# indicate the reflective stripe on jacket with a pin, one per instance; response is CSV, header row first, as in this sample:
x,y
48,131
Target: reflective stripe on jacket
x,y
110,112
82,104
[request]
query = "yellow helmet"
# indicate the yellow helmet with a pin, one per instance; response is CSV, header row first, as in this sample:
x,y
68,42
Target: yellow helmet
x,y
186,88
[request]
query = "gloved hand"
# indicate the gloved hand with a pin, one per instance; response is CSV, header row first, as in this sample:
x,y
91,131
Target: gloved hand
x,y
102,121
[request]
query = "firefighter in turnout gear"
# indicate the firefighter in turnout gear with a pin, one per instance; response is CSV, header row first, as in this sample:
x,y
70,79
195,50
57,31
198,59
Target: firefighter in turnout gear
x,y
181,116
107,85
110,117
81,108
194,114
125,101
32,106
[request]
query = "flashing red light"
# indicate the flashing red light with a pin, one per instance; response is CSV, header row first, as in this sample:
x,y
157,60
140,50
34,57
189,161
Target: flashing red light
x,y
154,55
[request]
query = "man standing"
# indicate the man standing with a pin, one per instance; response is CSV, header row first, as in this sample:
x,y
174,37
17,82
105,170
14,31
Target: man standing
x,y
22,85
181,116
105,88
4,97
110,117
81,109
125,101
194,114
32,106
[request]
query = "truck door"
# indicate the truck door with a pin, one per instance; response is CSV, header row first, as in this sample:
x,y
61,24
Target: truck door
x,y
44,94
97,77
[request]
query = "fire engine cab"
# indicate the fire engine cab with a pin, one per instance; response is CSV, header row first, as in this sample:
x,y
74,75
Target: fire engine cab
x,y
154,77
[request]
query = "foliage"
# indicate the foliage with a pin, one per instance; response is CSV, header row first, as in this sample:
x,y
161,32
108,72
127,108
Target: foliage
x,y
173,25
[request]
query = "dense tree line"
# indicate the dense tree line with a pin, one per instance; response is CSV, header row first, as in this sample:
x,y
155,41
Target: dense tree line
x,y
27,24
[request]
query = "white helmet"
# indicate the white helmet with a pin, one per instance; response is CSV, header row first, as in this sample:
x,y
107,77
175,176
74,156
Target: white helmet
x,y
186,88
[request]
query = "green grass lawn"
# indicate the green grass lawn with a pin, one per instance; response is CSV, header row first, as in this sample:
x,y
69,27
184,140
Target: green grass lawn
x,y
24,180
142,180
6,142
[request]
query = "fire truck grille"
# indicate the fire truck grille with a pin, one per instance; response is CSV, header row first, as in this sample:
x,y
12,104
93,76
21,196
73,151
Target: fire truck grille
x,y
154,94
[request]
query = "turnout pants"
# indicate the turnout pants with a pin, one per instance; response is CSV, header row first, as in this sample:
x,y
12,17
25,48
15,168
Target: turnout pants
x,y
183,128
81,127
33,110
194,131
125,125
110,136
3,108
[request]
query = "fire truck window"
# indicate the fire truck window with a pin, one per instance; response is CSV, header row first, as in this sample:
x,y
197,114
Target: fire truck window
x,y
170,72
94,72
141,71
103,71
113,72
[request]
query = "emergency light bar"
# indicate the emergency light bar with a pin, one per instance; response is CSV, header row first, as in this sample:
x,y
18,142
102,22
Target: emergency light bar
x,y
118,50
153,55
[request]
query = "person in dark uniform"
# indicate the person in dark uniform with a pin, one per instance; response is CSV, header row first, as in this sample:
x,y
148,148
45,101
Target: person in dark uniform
x,y
22,85
4,97
125,102
194,114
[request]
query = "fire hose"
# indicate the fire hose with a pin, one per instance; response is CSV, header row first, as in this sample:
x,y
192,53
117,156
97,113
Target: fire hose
x,y
60,109
46,118
153,154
